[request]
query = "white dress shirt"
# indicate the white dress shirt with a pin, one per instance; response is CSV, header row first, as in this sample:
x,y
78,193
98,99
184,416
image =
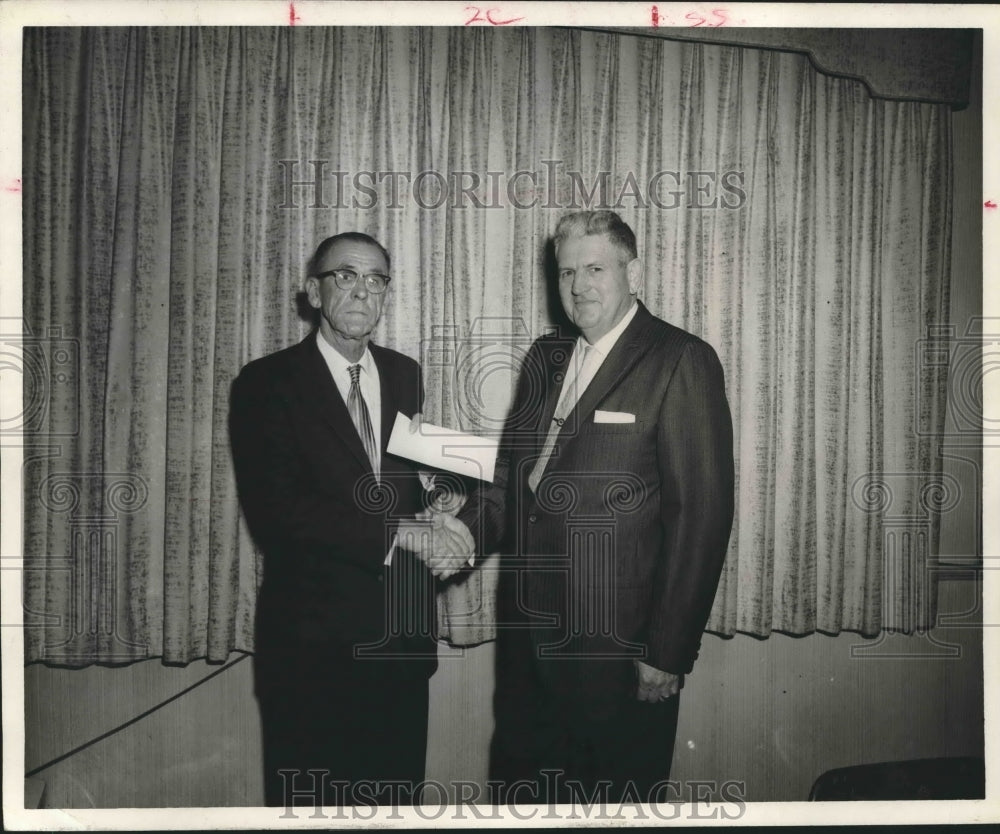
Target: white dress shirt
x,y
598,353
368,381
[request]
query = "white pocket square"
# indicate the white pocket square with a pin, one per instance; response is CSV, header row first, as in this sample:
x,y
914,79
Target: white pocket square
x,y
613,417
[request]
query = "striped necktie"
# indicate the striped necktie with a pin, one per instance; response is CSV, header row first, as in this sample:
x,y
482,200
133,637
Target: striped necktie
x,y
567,401
362,419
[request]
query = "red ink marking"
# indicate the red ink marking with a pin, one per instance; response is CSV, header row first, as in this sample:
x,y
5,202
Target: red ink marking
x,y
292,17
477,17
656,17
988,203
15,188
721,14
489,17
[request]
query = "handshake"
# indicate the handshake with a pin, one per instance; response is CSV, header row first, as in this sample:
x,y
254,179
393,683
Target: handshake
x,y
436,536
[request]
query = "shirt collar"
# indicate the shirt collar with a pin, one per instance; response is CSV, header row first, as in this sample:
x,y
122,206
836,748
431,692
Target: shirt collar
x,y
337,362
609,340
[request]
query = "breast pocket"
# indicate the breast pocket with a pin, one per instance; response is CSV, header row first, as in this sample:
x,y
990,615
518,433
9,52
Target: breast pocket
x,y
623,430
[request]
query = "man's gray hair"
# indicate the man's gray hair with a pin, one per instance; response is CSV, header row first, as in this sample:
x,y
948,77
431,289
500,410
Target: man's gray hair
x,y
583,223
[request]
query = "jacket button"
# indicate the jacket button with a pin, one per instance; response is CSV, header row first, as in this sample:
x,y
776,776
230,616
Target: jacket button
x,y
532,518
381,577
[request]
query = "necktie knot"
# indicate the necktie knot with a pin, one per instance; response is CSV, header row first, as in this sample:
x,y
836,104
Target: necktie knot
x,y
355,372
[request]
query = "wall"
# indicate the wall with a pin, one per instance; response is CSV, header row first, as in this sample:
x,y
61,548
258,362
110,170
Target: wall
x,y
773,714
776,714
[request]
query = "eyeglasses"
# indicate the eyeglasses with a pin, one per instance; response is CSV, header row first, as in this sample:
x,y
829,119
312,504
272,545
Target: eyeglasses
x,y
346,279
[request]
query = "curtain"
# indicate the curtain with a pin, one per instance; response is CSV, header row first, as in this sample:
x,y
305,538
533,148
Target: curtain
x,y
177,180
931,65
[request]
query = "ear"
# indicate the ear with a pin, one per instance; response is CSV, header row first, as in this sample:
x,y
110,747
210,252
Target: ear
x,y
634,275
312,292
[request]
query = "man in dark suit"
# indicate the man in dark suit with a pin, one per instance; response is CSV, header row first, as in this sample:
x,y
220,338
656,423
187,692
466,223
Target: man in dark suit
x,y
614,498
345,615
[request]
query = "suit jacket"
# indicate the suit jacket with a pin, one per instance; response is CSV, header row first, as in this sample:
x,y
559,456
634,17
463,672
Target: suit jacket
x,y
619,553
322,522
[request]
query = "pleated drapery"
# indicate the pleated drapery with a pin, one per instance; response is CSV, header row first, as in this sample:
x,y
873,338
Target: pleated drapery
x,y
177,180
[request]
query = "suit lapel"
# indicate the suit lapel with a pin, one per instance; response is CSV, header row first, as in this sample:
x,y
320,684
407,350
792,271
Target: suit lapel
x,y
628,350
387,390
318,388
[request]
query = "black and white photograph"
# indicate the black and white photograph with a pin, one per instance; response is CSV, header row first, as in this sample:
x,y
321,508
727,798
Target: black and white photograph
x,y
538,414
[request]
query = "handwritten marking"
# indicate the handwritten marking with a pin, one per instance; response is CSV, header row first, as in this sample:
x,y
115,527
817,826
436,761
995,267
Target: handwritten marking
x,y
721,14
477,17
292,17
15,188
656,17
989,203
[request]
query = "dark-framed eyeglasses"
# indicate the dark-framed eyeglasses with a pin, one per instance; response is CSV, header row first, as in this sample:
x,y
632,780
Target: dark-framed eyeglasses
x,y
346,279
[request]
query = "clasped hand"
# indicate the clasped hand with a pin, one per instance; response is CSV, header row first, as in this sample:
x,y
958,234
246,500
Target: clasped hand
x,y
439,539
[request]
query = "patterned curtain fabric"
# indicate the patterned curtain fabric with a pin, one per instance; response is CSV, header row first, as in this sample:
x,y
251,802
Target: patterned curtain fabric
x,y
177,180
932,65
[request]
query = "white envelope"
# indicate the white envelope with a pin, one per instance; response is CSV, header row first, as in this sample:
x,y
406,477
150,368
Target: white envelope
x,y
613,417
453,451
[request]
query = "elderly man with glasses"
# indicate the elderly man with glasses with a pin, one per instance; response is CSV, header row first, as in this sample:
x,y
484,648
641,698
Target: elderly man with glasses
x,y
345,615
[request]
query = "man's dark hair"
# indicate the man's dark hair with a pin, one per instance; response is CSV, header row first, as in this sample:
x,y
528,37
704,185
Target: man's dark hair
x,y
350,237
583,223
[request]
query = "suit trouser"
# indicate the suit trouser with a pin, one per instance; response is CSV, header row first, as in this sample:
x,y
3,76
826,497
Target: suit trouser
x,y
629,756
584,740
362,731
